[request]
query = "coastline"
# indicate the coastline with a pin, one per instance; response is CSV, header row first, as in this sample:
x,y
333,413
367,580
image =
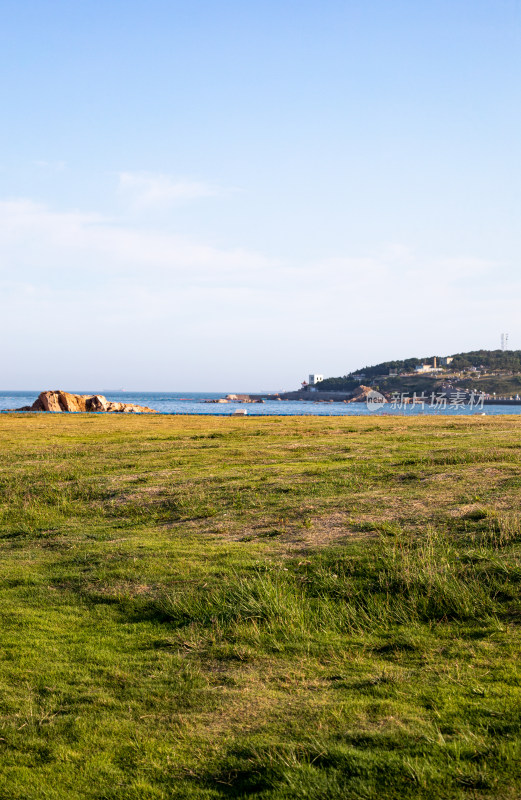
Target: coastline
x,y
284,405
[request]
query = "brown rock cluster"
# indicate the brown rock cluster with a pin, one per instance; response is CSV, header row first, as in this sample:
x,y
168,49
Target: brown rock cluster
x,y
58,401
361,394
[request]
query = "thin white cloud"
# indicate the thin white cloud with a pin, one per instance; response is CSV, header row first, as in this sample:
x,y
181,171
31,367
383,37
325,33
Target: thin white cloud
x,y
46,243
92,295
147,189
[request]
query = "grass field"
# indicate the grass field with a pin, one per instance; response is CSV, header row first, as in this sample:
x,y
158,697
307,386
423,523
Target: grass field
x,y
207,607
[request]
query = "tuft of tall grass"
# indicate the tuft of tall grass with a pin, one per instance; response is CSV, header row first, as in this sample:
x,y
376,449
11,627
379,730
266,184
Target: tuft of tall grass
x,y
261,598
387,584
504,529
427,581
488,528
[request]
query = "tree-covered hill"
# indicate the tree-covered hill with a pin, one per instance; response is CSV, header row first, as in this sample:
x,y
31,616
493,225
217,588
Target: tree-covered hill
x,y
503,363
491,360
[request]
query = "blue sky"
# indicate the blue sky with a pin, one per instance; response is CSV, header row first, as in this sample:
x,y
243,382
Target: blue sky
x,y
229,195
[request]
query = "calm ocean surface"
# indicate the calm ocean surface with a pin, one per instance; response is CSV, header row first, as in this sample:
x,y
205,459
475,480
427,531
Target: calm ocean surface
x,y
193,403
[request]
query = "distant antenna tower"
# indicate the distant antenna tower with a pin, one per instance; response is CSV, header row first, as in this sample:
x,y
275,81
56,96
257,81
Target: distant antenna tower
x,y
504,341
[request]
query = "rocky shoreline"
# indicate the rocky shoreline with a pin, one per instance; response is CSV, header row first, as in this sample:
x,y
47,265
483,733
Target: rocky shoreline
x,y
236,398
357,396
58,401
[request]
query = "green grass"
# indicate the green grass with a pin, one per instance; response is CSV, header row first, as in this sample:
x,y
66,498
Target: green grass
x,y
262,607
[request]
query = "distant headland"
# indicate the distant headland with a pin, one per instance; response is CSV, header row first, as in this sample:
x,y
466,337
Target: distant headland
x,y
494,374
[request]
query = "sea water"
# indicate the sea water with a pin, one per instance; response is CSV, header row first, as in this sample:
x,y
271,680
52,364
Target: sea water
x,y
194,403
